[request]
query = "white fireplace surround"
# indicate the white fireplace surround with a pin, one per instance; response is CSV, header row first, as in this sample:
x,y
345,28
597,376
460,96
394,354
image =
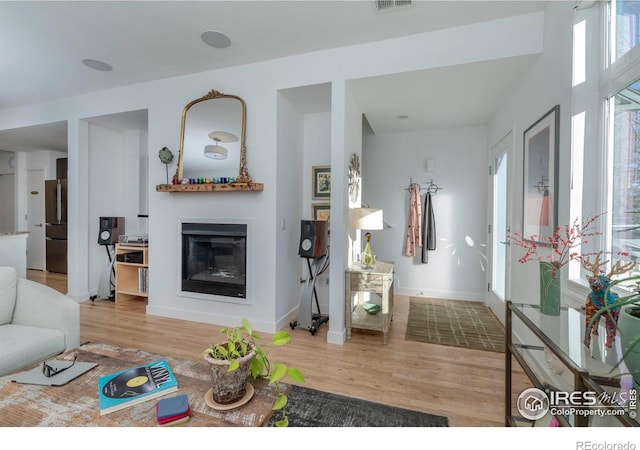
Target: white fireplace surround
x,y
249,269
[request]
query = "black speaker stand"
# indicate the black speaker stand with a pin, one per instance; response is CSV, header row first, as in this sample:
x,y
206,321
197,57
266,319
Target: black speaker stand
x,y
306,317
109,273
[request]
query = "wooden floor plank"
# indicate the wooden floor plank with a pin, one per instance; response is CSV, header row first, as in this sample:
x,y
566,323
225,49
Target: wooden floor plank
x,y
465,385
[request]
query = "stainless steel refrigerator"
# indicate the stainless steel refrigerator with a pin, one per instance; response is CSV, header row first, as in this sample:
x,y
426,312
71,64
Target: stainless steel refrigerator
x,y
56,225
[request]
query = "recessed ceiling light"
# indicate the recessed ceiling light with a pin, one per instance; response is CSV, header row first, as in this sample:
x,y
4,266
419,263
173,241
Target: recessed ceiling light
x,y
215,39
97,65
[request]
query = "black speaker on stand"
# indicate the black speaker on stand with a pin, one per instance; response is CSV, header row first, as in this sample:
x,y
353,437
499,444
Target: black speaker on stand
x,y
110,230
313,247
313,238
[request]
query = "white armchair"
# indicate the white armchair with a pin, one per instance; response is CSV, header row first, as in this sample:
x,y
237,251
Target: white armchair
x,y
36,322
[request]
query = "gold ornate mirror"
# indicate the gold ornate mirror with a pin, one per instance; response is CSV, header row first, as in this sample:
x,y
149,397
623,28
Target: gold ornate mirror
x,y
212,139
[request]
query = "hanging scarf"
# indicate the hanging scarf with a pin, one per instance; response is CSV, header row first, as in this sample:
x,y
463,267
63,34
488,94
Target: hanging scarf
x,y
414,225
429,227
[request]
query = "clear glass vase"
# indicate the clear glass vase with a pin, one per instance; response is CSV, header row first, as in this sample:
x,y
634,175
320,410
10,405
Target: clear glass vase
x,y
367,255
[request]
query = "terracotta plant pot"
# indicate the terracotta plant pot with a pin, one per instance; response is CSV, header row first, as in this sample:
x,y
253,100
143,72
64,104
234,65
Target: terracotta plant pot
x,y
229,387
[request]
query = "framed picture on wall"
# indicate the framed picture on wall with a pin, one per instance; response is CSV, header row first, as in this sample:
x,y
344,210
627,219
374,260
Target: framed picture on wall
x,y
322,211
540,203
321,177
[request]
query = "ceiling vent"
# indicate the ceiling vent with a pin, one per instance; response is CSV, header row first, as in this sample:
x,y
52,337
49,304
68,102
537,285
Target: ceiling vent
x,y
382,5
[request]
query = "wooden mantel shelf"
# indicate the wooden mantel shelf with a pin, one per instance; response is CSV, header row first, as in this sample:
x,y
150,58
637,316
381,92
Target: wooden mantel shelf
x,y
211,187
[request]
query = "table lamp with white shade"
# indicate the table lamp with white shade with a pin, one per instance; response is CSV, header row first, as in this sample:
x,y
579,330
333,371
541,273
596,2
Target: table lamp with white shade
x,y
366,219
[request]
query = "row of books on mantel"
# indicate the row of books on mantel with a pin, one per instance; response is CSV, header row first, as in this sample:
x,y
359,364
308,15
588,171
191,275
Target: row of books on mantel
x,y
130,387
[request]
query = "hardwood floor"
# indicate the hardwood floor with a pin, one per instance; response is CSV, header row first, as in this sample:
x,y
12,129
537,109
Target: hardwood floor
x,y
465,385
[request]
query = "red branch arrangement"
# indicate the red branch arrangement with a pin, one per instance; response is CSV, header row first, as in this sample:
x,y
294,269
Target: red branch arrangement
x,y
563,246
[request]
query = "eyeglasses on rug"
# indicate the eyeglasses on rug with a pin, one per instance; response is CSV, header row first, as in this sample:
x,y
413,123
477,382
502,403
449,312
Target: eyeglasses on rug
x,y
49,371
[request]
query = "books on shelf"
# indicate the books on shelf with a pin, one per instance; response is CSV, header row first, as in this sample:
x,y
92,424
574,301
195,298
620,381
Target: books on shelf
x,y
172,411
130,387
143,279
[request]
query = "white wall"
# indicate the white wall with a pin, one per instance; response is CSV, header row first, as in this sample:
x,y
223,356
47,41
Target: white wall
x,y
317,145
7,202
7,192
304,141
5,168
114,178
546,85
456,269
290,172
106,191
258,84
137,143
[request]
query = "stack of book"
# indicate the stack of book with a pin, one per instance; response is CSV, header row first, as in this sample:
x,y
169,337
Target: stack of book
x,y
172,411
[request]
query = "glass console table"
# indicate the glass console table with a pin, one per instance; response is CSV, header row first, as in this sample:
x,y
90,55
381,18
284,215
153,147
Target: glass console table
x,y
585,386
369,287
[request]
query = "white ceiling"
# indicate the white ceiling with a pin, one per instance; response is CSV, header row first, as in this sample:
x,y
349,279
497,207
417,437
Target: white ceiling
x,y
42,44
462,95
50,136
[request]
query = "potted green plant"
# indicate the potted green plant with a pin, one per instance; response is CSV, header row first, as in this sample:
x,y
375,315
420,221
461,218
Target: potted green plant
x,y
239,356
628,323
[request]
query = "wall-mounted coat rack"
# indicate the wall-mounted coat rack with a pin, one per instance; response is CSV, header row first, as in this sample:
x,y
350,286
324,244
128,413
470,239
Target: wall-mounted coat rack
x,y
431,187
542,185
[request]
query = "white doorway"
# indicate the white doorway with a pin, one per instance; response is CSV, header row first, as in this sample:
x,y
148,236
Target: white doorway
x,y
35,220
499,226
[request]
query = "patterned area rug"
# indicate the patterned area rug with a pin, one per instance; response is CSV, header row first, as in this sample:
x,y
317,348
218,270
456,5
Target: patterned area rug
x,y
311,408
76,404
455,323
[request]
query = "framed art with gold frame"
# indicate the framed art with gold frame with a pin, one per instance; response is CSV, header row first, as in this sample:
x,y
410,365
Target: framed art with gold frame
x,y
322,211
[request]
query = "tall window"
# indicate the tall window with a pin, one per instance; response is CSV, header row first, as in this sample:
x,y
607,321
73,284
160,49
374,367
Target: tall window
x,y
624,156
623,18
623,129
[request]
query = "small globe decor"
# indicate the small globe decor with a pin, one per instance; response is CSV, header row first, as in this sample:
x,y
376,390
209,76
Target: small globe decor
x,y
166,157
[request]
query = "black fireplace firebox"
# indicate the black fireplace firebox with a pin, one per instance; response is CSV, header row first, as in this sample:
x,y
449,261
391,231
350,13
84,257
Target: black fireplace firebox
x,y
214,259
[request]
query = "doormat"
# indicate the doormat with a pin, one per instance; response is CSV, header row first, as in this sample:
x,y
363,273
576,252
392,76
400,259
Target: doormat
x,y
455,323
311,408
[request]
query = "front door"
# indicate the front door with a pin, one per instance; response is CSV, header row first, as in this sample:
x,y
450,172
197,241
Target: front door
x,y
499,226
35,220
